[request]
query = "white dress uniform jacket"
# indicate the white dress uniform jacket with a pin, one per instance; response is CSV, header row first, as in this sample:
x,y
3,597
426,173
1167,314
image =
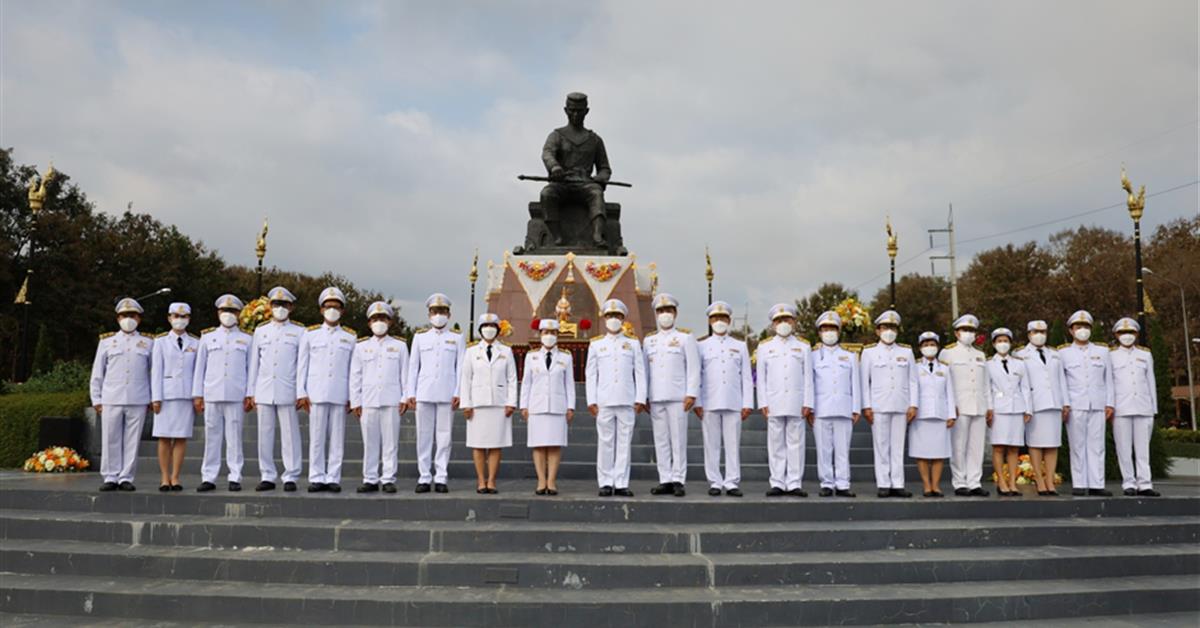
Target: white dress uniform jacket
x,y
120,383
889,378
222,364
785,375
726,382
273,359
548,391
972,391
1135,400
1088,374
378,380
433,365
615,372
1046,380
172,368
836,388
488,383
1009,388
323,366
672,365
935,396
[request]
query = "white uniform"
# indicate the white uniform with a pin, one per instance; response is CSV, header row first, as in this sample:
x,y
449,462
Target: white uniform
x,y
836,397
673,373
1088,374
1047,395
928,436
172,367
221,369
378,369
889,389
488,385
968,369
784,374
120,383
548,392
1135,400
726,386
272,377
614,380
1011,400
433,366
323,376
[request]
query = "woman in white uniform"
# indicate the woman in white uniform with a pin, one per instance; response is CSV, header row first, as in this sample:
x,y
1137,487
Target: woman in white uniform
x,y
1047,390
929,430
548,404
1011,401
172,367
488,396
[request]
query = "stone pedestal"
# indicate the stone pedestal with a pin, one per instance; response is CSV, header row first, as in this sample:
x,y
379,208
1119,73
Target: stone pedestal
x,y
576,230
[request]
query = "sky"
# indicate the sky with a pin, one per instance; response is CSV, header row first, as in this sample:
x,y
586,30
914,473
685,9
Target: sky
x,y
383,139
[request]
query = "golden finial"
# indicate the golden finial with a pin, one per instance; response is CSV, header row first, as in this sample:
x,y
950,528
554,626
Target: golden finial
x,y
260,247
474,274
892,248
37,189
507,254
708,269
1136,203
653,277
632,261
23,293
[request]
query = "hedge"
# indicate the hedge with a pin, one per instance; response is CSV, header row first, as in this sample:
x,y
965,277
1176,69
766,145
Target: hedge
x,y
1178,449
19,416
1175,435
1160,458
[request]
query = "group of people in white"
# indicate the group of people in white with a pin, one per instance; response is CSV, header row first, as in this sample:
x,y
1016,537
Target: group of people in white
x,y
945,402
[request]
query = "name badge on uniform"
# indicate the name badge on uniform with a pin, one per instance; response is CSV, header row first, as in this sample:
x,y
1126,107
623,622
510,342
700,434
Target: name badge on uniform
x,y
979,360
902,359
392,350
626,345
844,358
939,373
674,342
449,342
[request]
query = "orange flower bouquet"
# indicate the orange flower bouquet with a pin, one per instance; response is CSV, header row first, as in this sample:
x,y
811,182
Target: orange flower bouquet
x,y
56,460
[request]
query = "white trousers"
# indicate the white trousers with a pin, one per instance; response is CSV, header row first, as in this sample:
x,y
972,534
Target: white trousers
x,y
222,422
292,449
833,451
785,451
434,425
381,437
966,451
614,434
1131,436
326,442
722,427
670,440
887,434
120,431
1085,429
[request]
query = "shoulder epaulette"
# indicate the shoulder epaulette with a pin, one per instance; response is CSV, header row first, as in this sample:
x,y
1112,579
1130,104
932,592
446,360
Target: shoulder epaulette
x,y
950,346
162,334
193,335
295,323
1019,348
631,335
472,343
205,331
767,339
363,339
421,330
704,337
901,344
652,333
351,330
597,339
1113,347
505,343
566,351
804,340
312,327
1063,346
1146,349
855,350
1015,357
684,330
400,338
107,334
868,346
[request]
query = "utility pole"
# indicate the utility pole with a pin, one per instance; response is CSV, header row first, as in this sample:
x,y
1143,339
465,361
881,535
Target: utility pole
x,y
949,230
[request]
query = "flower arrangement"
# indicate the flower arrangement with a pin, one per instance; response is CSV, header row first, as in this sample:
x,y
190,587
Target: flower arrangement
x,y
505,328
537,271
602,272
855,316
1025,474
585,324
533,324
255,313
627,328
56,460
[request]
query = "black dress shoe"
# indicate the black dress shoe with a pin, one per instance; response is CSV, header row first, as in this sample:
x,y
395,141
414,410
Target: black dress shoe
x,y
164,488
1079,492
108,487
825,492
798,492
206,487
663,489
367,487
623,492
714,491
979,491
289,486
176,487
884,492
734,492
928,493
422,488
235,487
937,494
315,487
606,491
265,486
679,492
540,491
1051,493
1099,492
441,488
775,491
334,487
552,491
126,486
962,492
1149,492
1130,492
1043,493
388,488
845,493
901,492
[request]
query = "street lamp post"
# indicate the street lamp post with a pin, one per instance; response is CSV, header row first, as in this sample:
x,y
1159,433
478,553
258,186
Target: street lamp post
x,y
1187,345
892,249
1137,205
37,200
473,276
708,273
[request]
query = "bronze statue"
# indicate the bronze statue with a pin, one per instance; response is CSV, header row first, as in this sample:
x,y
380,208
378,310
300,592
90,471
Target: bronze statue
x,y
570,155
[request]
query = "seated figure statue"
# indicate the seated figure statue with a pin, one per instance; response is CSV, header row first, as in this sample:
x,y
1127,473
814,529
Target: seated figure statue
x,y
570,154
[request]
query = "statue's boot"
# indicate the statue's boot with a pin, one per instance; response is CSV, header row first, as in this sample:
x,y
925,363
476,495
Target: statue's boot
x,y
598,236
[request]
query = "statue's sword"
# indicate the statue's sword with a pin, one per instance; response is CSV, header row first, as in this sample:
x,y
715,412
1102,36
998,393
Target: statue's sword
x,y
529,177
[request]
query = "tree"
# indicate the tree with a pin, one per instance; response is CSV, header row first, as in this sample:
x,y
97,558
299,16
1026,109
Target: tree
x,y
922,302
810,307
1162,370
1006,286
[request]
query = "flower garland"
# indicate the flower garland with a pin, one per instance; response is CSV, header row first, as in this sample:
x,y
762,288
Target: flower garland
x,y
602,272
1025,473
255,313
56,460
537,271
854,315
505,329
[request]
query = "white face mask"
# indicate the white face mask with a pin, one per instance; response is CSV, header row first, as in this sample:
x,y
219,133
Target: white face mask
x,y
830,337
613,324
1002,347
720,328
128,324
228,319
929,351
549,340
179,324
888,336
1037,339
966,337
332,315
488,332
783,329
379,328
1082,334
666,320
279,313
1127,339
439,320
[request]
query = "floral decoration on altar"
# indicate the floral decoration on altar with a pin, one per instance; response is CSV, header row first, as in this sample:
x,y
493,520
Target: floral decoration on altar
x,y
855,316
56,460
537,271
1026,474
255,313
602,272
506,328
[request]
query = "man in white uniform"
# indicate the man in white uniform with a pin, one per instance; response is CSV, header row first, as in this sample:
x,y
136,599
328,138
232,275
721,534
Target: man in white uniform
x,y
615,383
323,389
1088,370
219,391
378,397
889,394
726,397
837,401
1135,402
972,395
673,373
784,374
272,392
433,363
120,391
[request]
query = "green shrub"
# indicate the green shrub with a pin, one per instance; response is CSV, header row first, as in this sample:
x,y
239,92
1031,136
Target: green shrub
x,y
62,377
1160,459
19,415
1173,435
1178,449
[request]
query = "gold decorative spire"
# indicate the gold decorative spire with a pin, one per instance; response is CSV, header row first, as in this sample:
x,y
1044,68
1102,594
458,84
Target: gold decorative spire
x,y
892,249
37,189
260,247
473,276
1136,203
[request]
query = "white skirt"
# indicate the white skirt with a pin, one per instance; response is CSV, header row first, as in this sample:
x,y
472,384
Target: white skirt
x,y
175,420
547,430
1008,430
928,439
1044,430
489,429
